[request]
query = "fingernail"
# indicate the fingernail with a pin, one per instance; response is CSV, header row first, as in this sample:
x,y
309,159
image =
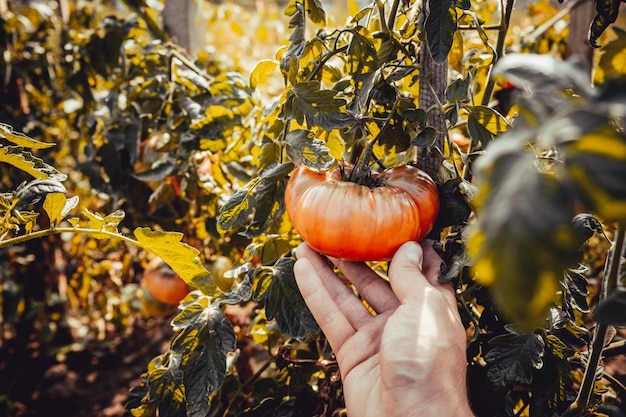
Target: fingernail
x,y
414,253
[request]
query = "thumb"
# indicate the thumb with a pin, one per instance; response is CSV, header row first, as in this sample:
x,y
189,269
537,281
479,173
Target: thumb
x,y
405,271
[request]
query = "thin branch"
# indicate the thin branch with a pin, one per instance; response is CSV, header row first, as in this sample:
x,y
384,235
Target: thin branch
x,y
597,346
58,230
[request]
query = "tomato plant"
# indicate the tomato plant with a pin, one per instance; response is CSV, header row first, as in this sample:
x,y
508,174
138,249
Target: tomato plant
x,y
157,138
361,222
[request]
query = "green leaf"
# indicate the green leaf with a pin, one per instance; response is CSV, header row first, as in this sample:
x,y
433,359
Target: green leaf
x,y
523,240
484,123
513,357
108,223
259,201
304,148
458,90
316,12
182,258
262,72
278,289
289,64
32,192
552,381
24,160
612,310
54,205
576,289
440,25
307,101
596,163
20,139
362,54
607,12
204,338
426,138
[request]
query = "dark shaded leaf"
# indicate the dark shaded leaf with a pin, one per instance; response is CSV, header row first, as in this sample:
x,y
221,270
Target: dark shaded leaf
x,y
585,225
304,148
612,310
576,289
607,11
426,138
278,289
204,338
513,357
289,63
261,197
35,190
440,26
458,90
523,240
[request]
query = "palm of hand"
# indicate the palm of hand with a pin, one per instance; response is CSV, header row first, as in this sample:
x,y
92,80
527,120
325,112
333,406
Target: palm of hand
x,y
399,362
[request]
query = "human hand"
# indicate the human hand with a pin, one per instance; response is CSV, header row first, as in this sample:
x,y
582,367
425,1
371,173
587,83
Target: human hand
x,y
407,360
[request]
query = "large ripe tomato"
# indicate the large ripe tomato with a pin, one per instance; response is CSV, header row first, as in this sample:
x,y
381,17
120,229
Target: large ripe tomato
x,y
164,285
361,222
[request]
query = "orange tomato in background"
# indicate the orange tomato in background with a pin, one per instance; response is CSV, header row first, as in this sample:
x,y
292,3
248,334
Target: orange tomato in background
x,y
164,284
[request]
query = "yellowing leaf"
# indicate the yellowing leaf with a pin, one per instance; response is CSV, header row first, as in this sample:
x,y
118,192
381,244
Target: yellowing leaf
x,y
53,205
182,258
6,132
24,160
262,71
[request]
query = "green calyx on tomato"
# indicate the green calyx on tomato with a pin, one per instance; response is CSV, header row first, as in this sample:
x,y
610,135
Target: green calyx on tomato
x,y
358,222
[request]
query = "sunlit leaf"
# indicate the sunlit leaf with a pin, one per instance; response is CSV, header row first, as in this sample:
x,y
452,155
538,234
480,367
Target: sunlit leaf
x,y
261,72
484,123
362,54
20,139
316,12
54,204
304,148
182,258
24,160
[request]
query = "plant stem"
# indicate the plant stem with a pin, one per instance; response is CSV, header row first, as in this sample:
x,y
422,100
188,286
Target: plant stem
x,y
609,283
393,14
500,43
59,230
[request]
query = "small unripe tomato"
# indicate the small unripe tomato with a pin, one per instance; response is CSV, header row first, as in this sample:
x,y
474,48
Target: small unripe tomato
x,y
164,285
357,222
218,267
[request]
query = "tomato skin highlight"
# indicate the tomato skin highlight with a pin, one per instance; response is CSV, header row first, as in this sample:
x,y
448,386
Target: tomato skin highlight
x,y
356,222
